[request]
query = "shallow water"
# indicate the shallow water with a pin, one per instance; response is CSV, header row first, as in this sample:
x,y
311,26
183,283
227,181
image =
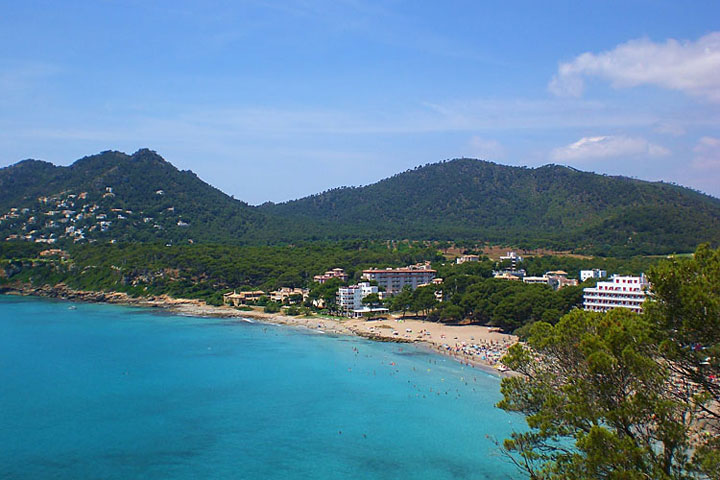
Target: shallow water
x,y
103,391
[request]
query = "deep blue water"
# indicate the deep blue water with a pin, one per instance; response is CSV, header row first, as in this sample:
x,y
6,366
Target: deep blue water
x,y
109,392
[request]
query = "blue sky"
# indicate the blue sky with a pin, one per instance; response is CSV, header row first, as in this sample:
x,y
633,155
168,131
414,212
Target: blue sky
x,y
272,100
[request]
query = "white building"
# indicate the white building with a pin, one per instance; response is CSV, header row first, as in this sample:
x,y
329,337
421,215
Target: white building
x,y
619,292
394,279
350,298
512,257
467,258
557,279
594,273
542,280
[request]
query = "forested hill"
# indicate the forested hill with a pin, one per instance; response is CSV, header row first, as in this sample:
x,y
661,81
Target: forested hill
x,y
142,197
551,206
114,196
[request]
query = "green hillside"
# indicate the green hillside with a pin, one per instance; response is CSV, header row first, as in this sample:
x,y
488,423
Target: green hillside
x,y
550,206
141,197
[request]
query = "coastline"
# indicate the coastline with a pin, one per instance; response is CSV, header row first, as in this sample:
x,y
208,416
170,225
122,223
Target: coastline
x,y
472,345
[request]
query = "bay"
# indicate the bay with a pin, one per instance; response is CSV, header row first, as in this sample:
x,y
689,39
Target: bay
x,y
112,392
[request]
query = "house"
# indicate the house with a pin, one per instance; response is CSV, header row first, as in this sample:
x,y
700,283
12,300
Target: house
x,y
536,280
505,275
467,258
284,294
557,279
620,292
241,298
394,279
334,273
594,273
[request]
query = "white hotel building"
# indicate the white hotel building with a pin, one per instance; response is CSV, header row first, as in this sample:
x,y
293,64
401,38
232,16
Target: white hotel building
x,y
394,279
349,299
619,292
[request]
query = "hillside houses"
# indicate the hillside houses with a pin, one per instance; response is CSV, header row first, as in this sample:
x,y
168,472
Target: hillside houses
x,y
80,217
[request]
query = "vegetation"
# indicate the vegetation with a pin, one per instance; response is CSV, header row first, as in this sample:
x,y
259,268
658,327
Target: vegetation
x,y
200,271
459,200
686,311
621,395
551,206
468,291
179,206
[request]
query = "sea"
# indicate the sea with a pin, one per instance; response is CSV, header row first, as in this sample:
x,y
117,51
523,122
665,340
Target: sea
x,y
91,391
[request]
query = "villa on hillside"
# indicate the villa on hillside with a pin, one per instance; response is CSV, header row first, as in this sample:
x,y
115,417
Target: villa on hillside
x,y
467,258
334,273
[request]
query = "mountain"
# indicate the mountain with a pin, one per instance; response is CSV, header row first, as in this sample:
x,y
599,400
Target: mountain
x,y
552,206
141,197
114,196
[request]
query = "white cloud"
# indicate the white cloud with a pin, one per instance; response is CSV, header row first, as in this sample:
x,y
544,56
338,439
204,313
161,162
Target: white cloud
x,y
486,149
670,128
686,66
606,147
707,154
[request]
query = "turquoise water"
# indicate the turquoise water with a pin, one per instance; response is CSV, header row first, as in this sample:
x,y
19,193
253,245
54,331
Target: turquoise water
x,y
109,392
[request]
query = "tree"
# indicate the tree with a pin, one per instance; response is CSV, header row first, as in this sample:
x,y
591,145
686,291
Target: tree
x,y
423,299
598,401
447,312
271,307
685,306
402,301
371,299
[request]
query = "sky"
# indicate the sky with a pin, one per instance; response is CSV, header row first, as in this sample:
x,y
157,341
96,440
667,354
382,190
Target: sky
x,y
272,100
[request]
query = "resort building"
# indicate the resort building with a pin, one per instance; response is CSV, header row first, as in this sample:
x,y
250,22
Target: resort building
x,y
619,292
557,279
467,258
349,299
394,279
286,294
594,273
242,298
334,273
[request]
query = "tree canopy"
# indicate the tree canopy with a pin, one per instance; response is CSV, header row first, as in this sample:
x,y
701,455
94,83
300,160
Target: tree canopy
x,y
619,395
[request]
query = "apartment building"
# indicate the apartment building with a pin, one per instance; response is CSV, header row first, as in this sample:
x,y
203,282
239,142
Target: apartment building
x,y
394,279
349,299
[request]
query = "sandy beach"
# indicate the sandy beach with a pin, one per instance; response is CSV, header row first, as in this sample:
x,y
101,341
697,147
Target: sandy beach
x,y
473,345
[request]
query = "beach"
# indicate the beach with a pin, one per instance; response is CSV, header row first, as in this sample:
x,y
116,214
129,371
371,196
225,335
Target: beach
x,y
474,345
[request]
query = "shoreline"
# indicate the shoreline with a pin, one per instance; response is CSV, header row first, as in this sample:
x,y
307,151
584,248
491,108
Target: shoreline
x,y
472,345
